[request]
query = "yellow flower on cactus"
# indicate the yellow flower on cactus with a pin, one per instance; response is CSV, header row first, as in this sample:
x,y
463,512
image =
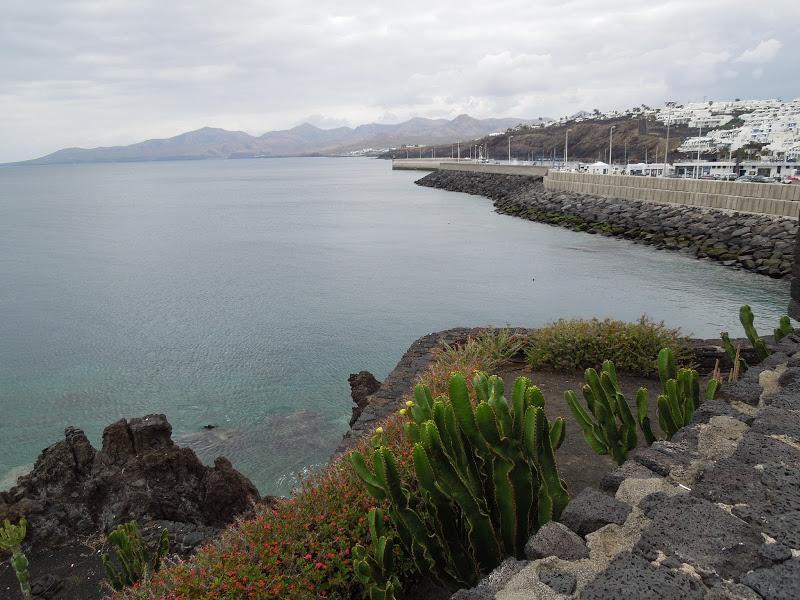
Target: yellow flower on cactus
x,y
409,403
402,412
379,430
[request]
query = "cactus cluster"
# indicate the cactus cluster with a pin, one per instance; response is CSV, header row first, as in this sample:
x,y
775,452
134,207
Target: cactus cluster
x,y
134,560
486,477
608,426
680,395
11,538
747,319
374,568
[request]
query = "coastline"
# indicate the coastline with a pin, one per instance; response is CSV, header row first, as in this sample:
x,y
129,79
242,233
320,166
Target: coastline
x,y
757,243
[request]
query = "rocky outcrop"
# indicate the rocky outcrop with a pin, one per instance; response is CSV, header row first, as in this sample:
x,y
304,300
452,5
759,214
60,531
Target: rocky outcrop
x,y
758,243
139,473
711,514
362,385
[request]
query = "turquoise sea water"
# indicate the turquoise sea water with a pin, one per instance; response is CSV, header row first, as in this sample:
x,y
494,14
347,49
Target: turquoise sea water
x,y
242,294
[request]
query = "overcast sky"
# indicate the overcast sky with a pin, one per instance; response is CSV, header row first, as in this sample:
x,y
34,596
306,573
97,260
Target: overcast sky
x,y
92,73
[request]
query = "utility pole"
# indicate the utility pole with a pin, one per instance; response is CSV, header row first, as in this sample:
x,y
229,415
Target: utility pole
x,y
566,147
626,157
700,134
610,138
666,149
433,152
511,137
459,150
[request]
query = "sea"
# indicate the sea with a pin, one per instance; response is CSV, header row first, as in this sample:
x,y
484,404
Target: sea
x,y
242,293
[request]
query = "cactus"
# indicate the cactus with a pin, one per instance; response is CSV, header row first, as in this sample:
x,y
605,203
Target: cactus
x,y
608,427
486,477
680,395
746,317
134,560
783,329
733,353
374,567
11,537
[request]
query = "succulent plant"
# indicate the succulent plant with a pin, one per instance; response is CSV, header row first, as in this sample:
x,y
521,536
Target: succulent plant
x,y
608,426
486,477
134,560
374,567
11,538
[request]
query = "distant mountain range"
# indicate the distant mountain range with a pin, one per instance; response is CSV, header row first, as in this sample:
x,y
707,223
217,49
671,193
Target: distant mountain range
x,y
303,140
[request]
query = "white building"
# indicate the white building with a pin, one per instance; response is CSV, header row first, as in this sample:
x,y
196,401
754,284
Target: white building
x,y
728,168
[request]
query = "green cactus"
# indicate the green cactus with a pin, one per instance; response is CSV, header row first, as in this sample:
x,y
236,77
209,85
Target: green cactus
x,y
608,426
486,477
680,394
783,329
134,560
11,538
746,318
732,352
374,568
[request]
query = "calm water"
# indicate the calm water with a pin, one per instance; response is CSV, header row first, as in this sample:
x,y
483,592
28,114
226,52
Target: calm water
x,y
243,293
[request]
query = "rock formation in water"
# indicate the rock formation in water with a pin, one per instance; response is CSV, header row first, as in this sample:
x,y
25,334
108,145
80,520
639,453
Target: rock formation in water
x,y
139,473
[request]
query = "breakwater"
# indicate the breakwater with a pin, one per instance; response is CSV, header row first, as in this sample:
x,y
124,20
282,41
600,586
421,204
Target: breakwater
x,y
759,243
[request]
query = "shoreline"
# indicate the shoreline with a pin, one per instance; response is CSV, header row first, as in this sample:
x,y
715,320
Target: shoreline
x,y
760,244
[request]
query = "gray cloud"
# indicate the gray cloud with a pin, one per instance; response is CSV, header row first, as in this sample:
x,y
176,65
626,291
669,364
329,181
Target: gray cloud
x,y
95,72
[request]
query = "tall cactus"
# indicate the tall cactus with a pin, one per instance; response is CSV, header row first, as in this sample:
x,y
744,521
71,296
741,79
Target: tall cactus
x,y
486,477
11,538
608,426
374,568
134,560
746,317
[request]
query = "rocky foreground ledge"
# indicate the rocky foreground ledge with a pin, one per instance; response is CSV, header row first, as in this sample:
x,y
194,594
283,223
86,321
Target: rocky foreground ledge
x,y
138,474
758,243
713,514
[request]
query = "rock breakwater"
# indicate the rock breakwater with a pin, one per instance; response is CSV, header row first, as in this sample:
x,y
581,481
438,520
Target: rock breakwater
x,y
757,243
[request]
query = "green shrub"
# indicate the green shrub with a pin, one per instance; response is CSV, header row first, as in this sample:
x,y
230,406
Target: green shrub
x,y
580,344
488,351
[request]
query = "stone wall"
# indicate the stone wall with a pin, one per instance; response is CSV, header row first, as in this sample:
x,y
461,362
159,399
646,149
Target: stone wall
x,y
712,514
759,243
779,200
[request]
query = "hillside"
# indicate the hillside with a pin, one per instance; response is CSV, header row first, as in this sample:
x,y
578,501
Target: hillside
x,y
303,140
588,141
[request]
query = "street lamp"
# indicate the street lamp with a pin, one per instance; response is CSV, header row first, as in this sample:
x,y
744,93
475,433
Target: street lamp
x,y
566,145
610,138
458,145
511,137
669,105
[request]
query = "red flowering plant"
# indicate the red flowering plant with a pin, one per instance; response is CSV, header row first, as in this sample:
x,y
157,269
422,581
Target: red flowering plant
x,y
299,549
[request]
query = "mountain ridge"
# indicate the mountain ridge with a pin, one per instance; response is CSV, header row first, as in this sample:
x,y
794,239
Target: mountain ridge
x,y
302,140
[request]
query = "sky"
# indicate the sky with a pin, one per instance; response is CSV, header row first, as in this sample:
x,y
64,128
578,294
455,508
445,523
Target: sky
x,y
110,72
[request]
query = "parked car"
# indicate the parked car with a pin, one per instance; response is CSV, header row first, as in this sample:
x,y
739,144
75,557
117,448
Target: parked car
x,y
791,179
745,179
762,179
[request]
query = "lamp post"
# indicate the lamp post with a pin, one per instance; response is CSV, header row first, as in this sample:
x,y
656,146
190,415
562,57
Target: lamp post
x,y
699,135
610,139
511,137
458,146
566,147
669,105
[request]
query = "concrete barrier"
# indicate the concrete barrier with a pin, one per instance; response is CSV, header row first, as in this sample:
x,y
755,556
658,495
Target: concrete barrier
x,y
760,198
434,164
416,164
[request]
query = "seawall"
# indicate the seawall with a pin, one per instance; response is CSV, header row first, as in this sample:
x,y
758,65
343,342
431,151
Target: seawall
x,y
763,244
778,200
